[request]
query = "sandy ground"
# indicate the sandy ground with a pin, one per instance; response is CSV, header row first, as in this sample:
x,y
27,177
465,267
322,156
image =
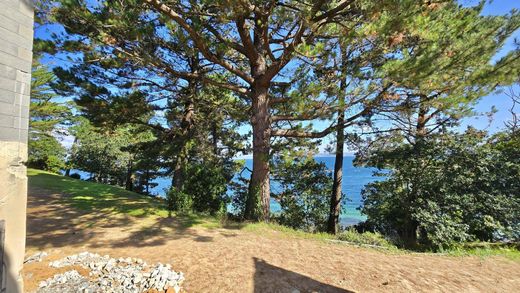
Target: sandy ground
x,y
231,260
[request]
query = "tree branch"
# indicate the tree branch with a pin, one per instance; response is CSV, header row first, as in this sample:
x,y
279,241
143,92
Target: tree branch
x,y
197,39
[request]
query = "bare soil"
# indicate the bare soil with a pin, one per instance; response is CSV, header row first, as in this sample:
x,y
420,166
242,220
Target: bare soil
x,y
233,260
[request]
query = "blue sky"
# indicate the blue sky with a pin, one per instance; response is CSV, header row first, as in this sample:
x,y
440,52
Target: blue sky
x,y
499,100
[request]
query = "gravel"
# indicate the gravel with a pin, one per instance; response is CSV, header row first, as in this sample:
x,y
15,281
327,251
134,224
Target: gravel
x,y
37,257
108,274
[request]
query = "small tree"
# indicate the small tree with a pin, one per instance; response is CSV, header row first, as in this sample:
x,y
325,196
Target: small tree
x,y
302,187
46,116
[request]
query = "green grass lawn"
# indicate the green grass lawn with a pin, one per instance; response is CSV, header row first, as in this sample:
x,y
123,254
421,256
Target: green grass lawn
x,y
91,196
87,196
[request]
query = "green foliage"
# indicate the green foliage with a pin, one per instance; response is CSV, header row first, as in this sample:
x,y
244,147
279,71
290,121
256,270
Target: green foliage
x,y
240,192
365,238
100,152
452,188
46,153
178,201
483,249
46,116
113,156
303,187
207,187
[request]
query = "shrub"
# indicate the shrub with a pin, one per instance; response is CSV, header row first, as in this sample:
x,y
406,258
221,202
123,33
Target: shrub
x,y
366,238
177,201
452,188
207,187
303,193
240,190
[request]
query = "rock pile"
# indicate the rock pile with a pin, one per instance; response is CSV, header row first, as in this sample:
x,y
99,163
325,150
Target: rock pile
x,y
37,257
111,275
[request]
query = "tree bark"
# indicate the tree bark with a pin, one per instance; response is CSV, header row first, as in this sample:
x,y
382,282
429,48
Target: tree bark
x,y
147,181
259,188
187,124
178,174
129,184
335,198
214,137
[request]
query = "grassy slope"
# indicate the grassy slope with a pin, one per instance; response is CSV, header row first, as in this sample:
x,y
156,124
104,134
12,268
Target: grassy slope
x,y
87,196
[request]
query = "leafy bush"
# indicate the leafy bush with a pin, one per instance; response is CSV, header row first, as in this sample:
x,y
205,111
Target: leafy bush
x,y
177,201
207,187
450,189
239,190
302,187
365,238
46,153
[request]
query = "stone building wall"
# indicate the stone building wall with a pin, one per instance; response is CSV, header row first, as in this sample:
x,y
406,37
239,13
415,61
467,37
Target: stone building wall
x,y
16,38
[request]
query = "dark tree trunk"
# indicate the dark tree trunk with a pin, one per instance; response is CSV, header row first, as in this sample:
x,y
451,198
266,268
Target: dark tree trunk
x,y
259,188
335,199
129,184
422,119
409,233
147,182
214,137
67,172
187,124
258,201
178,171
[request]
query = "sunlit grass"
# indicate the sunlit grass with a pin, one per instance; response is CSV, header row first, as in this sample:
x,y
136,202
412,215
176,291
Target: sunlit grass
x,y
484,250
89,196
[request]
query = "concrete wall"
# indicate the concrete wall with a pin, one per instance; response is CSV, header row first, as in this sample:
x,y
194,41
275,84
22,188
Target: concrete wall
x,y
16,38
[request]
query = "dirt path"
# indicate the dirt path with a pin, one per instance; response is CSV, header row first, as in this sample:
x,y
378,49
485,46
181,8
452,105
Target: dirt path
x,y
228,260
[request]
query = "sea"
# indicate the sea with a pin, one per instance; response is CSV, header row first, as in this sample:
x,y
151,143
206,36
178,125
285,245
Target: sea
x,y
354,179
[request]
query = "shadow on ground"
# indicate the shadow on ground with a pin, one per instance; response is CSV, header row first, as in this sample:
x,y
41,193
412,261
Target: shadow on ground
x,y
270,278
56,222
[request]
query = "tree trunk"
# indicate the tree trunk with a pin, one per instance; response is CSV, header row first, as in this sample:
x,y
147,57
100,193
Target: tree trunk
x,y
409,233
335,199
187,127
259,188
147,181
214,137
129,184
178,173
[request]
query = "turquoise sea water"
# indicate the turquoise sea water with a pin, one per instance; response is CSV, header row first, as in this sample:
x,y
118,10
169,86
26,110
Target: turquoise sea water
x,y
354,179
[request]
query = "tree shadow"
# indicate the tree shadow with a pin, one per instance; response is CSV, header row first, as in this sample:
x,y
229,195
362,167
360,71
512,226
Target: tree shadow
x,y
270,278
95,196
55,222
52,223
160,231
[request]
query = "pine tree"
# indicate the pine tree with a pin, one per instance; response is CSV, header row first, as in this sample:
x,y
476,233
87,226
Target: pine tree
x,y
47,117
